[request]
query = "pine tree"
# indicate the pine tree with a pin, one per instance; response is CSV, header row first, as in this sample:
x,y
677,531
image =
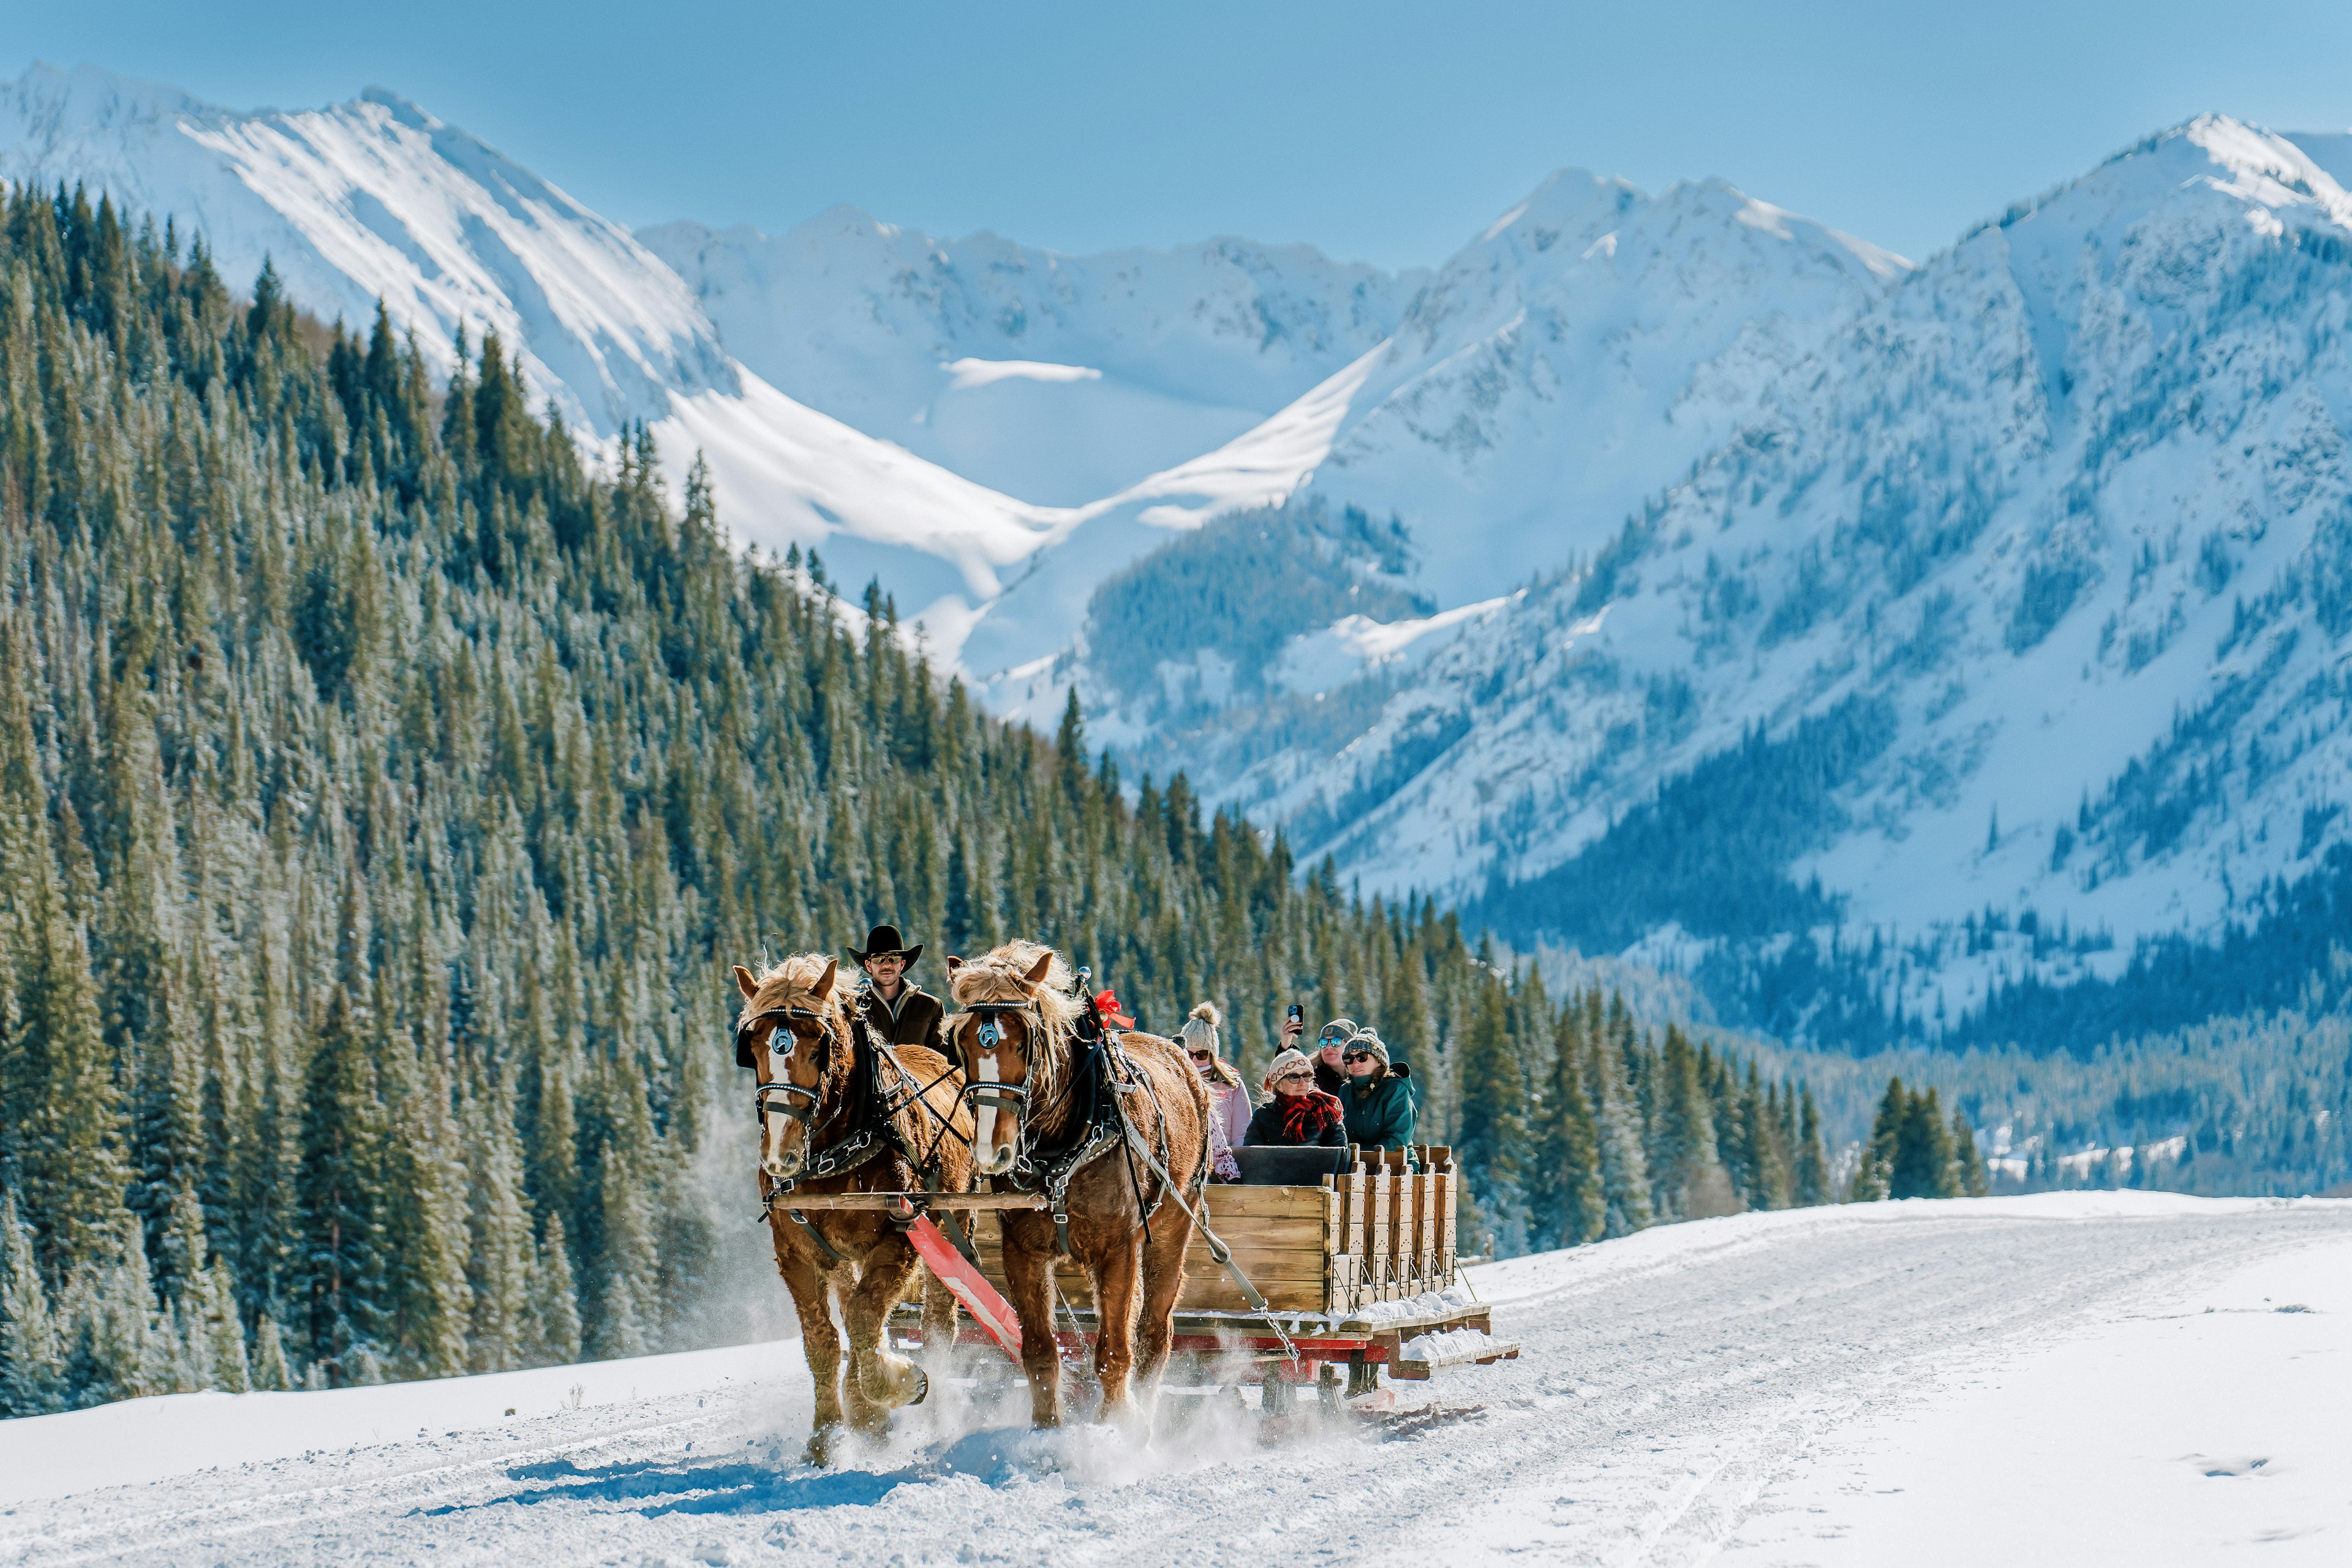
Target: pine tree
x,y
1763,1160
1686,1173
1874,1174
31,1371
1968,1178
627,1295
270,1366
499,1266
555,1307
1812,1174
424,1228
341,1157
1625,1163
1566,1191
1489,1147
64,1110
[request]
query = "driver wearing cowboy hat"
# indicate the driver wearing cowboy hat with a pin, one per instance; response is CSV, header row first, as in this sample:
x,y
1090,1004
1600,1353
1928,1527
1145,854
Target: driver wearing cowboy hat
x,y
895,1009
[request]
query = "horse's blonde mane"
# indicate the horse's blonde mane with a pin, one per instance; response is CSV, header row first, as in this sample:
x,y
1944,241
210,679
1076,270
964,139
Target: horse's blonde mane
x,y
1002,975
791,982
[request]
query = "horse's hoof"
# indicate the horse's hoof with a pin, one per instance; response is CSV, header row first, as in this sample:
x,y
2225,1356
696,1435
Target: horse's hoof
x,y
922,1387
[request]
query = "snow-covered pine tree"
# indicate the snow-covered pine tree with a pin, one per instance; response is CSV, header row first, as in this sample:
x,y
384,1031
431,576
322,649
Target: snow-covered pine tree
x,y
1811,1176
500,1257
555,1303
1969,1178
342,1270
32,1371
1617,1126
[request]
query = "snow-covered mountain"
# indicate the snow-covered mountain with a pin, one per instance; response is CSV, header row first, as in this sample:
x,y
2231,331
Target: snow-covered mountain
x,y
1056,378
1577,356
943,410
2024,598
377,199
1580,353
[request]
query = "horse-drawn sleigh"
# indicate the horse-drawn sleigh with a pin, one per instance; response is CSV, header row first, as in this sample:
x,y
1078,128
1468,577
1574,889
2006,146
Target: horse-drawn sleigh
x,y
1093,1144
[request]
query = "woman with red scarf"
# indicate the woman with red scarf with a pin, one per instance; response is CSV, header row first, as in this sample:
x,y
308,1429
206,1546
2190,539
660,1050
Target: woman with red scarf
x,y
1299,1114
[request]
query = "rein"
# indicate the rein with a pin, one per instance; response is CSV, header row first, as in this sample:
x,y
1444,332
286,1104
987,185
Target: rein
x,y
1105,1125
872,1112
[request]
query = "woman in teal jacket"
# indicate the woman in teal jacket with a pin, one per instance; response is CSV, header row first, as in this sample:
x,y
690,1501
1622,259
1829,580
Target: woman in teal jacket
x,y
1377,1096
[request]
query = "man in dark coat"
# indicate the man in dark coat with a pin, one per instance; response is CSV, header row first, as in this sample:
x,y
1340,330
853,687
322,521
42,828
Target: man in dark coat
x,y
896,1008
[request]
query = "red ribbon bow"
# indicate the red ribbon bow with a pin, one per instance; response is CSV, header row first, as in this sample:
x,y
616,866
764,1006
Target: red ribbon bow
x,y
1107,1004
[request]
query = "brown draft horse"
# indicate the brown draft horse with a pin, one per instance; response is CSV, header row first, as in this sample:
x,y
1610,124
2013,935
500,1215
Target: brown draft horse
x,y
795,1031
1015,1041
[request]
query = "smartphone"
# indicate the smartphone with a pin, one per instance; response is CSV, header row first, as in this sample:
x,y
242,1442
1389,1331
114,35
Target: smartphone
x,y
1297,1014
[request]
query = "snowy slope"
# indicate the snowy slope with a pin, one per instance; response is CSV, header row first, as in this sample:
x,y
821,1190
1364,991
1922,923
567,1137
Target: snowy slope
x,y
377,199
1754,1386
1579,354
2072,502
1575,358
1059,379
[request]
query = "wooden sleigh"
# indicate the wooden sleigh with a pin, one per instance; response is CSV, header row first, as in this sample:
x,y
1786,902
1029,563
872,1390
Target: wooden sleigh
x,y
1338,1264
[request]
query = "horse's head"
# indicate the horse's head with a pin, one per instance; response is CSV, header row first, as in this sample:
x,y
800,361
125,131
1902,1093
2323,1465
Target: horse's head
x,y
1011,1039
794,1034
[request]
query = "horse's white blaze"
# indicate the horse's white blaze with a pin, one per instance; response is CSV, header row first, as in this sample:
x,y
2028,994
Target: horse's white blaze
x,y
984,1115
772,1129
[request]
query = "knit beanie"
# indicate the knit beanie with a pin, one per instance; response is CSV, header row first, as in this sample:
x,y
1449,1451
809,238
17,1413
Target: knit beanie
x,y
1200,1030
1286,1062
1365,1040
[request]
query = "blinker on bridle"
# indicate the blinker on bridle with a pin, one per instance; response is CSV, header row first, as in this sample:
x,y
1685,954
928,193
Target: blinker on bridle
x,y
786,1093
988,1035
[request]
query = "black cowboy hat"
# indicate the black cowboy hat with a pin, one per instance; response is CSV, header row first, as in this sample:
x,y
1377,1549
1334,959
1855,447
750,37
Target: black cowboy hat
x,y
883,941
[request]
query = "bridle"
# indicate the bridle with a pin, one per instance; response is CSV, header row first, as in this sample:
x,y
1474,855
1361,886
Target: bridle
x,y
797,1103
992,1093
873,1108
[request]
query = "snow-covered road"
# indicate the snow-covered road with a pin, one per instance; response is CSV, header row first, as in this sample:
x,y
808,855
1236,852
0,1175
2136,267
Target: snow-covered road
x,y
2030,1380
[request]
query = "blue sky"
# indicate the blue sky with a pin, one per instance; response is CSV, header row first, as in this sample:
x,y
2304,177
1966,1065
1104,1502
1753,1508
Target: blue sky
x,y
1378,130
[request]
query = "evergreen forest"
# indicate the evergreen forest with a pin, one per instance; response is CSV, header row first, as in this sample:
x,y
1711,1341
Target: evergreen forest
x,y
385,787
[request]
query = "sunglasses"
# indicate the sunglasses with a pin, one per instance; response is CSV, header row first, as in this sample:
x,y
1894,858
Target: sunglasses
x,y
1294,1078
1357,1056
1202,1055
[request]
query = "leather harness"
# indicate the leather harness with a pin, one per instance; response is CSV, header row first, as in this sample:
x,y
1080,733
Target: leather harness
x,y
873,1120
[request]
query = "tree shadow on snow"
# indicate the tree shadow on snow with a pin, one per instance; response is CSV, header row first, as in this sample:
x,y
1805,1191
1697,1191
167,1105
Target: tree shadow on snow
x,y
671,1487
996,1457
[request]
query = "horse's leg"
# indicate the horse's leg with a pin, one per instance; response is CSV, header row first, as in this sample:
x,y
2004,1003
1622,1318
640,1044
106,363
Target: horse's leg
x,y
883,1376
821,1342
1029,1286
939,1324
1115,1280
1163,1283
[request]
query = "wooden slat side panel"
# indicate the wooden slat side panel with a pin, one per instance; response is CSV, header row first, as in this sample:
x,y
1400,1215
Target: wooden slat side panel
x,y
1234,1199
1221,1295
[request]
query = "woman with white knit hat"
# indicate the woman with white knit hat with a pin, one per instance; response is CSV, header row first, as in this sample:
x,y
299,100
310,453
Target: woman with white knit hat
x,y
1229,1101
1299,1114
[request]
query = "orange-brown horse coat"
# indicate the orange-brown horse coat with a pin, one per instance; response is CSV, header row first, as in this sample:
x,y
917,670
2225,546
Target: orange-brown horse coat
x,y
1137,1271
876,1261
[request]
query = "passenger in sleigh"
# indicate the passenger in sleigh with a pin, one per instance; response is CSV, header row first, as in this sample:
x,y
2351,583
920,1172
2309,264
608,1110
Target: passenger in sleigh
x,y
1299,1114
1378,1100
1229,1101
